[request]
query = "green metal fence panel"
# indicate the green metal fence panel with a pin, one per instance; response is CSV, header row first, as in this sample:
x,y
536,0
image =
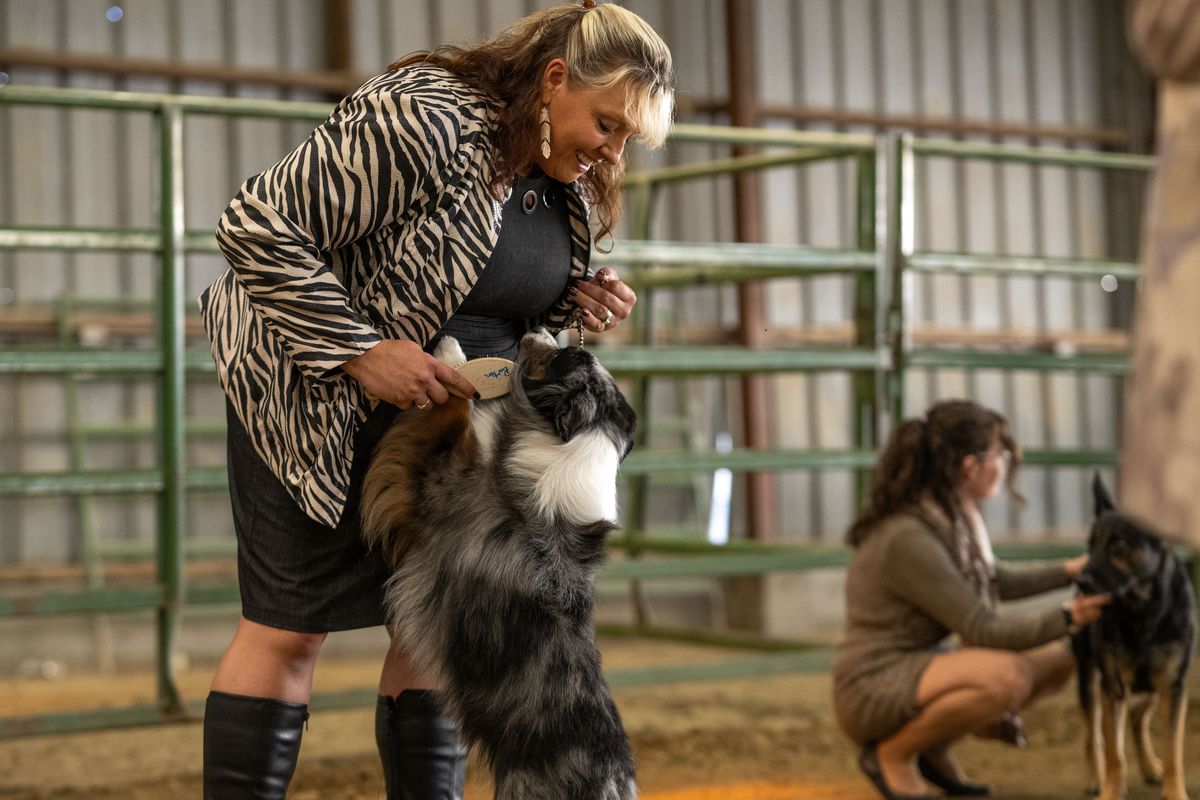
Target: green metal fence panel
x,y
1030,155
1022,265
664,361
89,360
988,359
656,265
881,264
660,461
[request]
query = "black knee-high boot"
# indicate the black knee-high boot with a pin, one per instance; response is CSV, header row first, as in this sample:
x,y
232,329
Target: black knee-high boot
x,y
419,747
250,746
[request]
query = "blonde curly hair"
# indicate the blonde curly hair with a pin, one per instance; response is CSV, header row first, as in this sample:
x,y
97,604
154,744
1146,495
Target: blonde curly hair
x,y
603,45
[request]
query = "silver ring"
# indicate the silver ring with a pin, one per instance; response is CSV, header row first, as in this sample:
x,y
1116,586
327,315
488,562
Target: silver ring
x,y
608,318
424,405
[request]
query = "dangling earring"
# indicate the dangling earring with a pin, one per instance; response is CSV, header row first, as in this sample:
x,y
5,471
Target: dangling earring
x,y
544,119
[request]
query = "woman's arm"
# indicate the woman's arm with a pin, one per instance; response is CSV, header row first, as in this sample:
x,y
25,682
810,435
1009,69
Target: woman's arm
x,y
357,172
1015,582
925,574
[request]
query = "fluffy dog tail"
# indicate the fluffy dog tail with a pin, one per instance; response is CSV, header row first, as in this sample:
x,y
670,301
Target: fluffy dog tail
x,y
417,441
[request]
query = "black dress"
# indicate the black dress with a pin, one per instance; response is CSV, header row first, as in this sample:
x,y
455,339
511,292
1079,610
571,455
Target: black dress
x,y
299,575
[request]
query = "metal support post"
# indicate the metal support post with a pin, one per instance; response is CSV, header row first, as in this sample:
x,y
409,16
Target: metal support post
x,y
901,243
866,323
761,506
171,405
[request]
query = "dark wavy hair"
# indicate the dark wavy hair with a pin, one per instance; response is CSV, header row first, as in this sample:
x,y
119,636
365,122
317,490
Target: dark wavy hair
x,y
923,458
602,45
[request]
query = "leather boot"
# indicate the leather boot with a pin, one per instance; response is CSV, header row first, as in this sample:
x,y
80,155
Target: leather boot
x,y
419,747
250,746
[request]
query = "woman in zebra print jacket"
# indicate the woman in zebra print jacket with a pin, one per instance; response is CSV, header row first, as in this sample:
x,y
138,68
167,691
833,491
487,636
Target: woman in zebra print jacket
x,y
347,260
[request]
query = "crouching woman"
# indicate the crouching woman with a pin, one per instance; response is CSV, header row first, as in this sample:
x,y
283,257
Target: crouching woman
x,y
923,569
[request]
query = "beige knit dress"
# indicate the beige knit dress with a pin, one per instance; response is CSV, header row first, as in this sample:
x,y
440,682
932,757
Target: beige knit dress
x,y
907,590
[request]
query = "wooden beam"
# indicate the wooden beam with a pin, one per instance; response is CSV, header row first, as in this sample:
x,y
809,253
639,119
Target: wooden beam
x,y
339,82
841,118
330,82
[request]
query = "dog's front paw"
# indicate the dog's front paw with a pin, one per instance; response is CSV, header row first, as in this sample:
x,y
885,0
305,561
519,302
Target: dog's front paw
x,y
450,352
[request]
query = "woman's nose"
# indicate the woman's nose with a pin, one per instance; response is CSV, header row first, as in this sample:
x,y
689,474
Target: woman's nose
x,y
612,151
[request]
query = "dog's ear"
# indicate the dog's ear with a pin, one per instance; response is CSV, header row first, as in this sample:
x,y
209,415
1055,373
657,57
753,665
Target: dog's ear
x,y
574,411
1102,500
626,423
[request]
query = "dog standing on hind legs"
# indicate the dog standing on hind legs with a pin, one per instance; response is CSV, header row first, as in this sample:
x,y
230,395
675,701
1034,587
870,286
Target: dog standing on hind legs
x,y
1136,656
494,516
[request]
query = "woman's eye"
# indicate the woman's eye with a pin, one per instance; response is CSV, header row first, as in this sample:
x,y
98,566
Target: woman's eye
x,y
604,127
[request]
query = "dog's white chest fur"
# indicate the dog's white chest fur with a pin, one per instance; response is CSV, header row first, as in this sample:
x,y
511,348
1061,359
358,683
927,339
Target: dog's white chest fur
x,y
576,480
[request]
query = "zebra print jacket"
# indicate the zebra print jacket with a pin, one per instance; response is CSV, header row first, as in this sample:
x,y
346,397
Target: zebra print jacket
x,y
377,226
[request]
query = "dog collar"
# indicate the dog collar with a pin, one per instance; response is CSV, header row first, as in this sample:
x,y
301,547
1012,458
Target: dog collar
x,y
491,376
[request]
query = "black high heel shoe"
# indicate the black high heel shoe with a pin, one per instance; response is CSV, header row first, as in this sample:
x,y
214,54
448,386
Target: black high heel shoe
x,y
868,762
950,786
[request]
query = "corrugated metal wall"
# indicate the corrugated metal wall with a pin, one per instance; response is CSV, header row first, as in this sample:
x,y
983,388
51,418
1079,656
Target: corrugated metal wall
x,y
1047,63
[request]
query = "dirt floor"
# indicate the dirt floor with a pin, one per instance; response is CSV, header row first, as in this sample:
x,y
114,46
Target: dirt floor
x,y
769,738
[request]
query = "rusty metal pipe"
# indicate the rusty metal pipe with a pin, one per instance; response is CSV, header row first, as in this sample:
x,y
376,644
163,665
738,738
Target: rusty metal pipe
x,y
761,506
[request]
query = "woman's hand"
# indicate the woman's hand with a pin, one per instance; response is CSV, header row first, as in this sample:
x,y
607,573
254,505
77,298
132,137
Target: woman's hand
x,y
399,372
605,301
1074,566
1086,608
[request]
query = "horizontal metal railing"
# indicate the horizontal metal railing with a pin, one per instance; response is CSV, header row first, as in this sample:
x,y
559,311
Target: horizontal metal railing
x,y
883,255
906,261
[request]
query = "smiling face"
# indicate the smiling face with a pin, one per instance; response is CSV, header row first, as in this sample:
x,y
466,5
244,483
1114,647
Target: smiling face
x,y
586,124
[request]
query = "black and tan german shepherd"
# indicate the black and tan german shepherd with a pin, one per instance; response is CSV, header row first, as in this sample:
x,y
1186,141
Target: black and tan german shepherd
x,y
494,517
1136,656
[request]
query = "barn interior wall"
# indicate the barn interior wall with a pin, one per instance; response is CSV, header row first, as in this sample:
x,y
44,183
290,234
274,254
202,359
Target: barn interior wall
x,y
1016,61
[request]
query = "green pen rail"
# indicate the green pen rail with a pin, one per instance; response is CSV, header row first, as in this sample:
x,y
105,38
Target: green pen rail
x,y
906,261
879,353
167,363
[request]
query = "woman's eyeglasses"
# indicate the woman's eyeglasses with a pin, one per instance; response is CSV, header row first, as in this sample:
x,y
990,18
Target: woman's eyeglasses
x,y
1004,456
